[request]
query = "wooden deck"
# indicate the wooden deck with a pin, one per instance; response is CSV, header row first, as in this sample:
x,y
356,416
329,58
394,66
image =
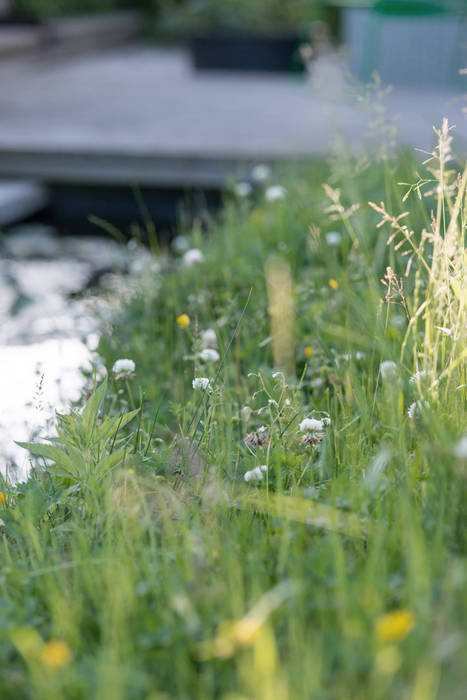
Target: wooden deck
x,y
141,115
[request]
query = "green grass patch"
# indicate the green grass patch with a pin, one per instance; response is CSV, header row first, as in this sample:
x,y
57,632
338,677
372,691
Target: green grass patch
x,y
293,525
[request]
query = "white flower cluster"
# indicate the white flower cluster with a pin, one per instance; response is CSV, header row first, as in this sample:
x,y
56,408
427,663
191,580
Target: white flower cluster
x,y
417,377
261,173
255,474
193,257
275,192
359,355
314,425
180,244
123,368
333,238
209,338
415,409
209,355
243,189
388,369
202,383
460,448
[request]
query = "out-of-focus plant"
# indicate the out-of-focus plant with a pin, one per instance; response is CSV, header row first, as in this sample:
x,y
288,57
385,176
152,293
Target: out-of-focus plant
x,y
267,17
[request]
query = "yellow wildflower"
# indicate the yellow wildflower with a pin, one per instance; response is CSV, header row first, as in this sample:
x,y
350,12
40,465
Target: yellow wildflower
x,y
309,351
333,283
183,320
2,498
55,654
394,626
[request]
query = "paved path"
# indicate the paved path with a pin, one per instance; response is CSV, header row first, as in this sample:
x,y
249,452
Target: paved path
x,y
142,115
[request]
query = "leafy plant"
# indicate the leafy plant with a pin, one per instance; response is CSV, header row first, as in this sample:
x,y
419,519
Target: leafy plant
x,y
248,16
87,447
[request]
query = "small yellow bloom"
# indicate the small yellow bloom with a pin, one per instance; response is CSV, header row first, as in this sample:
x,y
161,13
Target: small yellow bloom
x,y
309,351
55,654
333,283
2,498
394,626
183,320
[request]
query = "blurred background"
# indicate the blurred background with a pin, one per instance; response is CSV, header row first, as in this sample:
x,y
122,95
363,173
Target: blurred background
x,y
122,121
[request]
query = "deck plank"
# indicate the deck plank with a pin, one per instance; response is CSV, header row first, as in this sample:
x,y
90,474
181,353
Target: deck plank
x,y
142,115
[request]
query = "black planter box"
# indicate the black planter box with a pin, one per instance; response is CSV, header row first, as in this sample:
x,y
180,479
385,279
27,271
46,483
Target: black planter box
x,y
239,52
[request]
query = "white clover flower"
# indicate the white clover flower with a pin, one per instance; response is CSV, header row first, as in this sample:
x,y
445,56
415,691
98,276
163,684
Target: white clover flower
x,y
317,382
415,409
193,257
388,369
243,189
333,238
261,173
460,448
417,377
209,355
180,244
123,368
209,338
311,425
275,192
201,383
255,474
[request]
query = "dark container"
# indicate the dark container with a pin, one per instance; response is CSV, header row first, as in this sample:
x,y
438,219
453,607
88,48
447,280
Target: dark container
x,y
242,52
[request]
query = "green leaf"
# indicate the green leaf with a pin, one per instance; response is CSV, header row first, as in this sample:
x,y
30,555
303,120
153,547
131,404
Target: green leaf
x,y
56,454
110,426
79,463
110,461
89,415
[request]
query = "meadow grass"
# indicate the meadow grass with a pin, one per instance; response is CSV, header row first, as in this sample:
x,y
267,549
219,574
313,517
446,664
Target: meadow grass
x,y
139,562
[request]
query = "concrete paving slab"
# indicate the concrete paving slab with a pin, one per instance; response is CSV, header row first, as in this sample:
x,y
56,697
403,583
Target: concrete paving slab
x,y
51,39
142,115
16,40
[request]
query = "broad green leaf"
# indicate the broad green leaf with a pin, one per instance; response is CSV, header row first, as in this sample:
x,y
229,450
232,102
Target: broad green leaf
x,y
57,455
79,463
89,415
110,462
110,426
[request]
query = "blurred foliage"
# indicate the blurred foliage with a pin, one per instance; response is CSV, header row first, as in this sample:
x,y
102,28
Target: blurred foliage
x,y
250,16
45,8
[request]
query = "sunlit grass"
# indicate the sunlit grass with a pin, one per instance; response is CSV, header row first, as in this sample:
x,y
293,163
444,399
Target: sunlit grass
x,y
139,562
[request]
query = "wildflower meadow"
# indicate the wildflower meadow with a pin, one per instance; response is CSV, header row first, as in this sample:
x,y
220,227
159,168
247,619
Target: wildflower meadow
x,y
263,492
